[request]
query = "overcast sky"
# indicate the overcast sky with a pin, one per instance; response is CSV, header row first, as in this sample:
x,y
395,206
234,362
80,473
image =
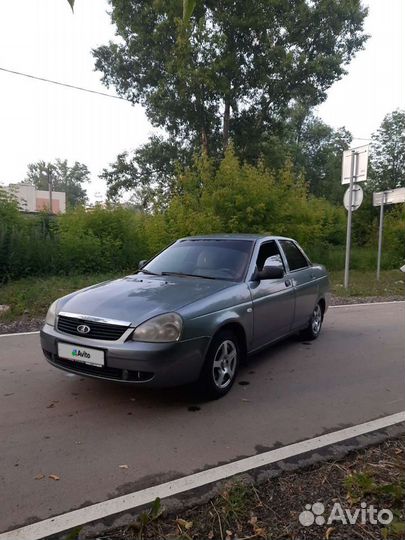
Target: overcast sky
x,y
43,121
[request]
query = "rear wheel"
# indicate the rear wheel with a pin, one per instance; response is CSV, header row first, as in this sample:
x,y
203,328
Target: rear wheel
x,y
313,329
221,365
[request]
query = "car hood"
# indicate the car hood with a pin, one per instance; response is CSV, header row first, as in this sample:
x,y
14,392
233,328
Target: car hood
x,y
138,298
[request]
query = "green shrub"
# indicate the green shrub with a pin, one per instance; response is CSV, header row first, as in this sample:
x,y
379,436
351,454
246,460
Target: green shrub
x,y
362,258
244,198
101,240
231,197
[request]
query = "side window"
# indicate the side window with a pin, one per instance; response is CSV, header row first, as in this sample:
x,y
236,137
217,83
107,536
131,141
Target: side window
x,y
295,258
269,255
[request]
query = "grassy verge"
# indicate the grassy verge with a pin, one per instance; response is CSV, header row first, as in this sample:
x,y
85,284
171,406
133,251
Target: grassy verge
x,y
30,298
271,509
365,284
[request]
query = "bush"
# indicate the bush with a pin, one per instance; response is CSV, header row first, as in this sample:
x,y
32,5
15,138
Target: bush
x,y
394,235
27,243
231,197
101,240
81,241
244,198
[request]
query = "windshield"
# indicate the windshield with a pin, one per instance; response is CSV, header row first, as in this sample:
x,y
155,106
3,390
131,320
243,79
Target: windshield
x,y
211,259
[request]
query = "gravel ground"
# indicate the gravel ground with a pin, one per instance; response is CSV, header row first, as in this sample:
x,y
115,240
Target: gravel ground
x,y
23,325
31,325
272,509
344,300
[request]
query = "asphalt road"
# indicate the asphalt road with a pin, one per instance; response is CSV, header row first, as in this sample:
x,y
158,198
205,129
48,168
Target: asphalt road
x,y
82,430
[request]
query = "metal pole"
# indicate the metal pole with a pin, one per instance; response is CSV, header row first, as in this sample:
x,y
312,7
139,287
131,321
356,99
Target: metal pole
x,y
349,221
380,235
50,190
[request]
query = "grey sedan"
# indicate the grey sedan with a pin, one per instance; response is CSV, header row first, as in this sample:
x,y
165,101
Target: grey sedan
x,y
191,314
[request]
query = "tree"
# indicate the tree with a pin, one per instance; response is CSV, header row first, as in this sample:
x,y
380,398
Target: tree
x,y
317,152
314,149
239,197
148,172
387,156
234,69
9,209
64,178
188,8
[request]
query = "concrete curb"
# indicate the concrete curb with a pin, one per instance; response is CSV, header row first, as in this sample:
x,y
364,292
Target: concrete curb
x,y
199,496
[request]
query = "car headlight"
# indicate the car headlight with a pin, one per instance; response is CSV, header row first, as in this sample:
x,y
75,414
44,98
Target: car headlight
x,y
161,329
51,315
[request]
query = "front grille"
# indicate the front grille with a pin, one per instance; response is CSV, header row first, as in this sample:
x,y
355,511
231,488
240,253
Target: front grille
x,y
105,371
98,330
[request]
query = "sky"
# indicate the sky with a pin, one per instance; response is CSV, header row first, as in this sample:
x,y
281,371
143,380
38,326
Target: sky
x,y
40,121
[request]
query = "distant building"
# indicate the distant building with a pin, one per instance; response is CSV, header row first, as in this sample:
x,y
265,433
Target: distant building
x,y
31,199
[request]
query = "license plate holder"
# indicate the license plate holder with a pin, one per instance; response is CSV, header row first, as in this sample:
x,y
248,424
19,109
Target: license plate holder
x,y
82,355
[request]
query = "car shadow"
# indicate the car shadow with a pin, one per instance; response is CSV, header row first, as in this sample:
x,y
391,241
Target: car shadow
x,y
115,393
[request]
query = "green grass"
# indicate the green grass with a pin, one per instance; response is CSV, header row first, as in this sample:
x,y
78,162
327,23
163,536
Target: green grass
x,y
361,258
31,297
365,484
364,283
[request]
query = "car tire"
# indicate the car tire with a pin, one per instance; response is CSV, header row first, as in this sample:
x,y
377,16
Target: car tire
x,y
221,366
313,329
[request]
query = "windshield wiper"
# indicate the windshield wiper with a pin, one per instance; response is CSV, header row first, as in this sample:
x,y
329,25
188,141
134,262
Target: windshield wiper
x,y
149,273
186,275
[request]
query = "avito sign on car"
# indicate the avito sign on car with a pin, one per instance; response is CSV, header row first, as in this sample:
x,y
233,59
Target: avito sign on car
x,y
191,314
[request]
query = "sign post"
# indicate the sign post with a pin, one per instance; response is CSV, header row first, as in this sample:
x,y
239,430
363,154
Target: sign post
x,y
354,169
380,235
390,196
349,220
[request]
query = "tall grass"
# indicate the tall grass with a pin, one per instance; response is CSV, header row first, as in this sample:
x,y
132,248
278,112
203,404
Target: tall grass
x,y
115,240
80,242
361,258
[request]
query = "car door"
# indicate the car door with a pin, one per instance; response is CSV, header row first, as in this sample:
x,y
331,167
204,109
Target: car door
x,y
306,287
272,300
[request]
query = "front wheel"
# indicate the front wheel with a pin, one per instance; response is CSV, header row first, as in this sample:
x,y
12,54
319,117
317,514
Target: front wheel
x,y
221,365
313,329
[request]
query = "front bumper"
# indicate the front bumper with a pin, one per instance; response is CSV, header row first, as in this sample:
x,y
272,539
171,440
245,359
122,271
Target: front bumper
x,y
148,364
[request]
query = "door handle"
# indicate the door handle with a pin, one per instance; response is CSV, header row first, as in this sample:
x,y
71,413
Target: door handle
x,y
287,283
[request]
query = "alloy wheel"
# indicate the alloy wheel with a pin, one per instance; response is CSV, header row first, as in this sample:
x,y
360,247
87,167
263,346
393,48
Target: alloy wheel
x,y
224,365
316,321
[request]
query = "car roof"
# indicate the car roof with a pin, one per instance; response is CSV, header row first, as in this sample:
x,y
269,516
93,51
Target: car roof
x,y
234,236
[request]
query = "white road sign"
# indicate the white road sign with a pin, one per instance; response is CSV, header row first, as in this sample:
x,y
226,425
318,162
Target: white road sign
x,y
360,171
354,170
390,196
381,198
357,197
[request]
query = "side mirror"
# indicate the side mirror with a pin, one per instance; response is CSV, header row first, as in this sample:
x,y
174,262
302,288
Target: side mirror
x,y
141,264
270,272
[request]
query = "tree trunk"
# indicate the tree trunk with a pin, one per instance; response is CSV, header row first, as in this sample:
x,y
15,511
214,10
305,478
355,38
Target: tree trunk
x,y
227,115
204,140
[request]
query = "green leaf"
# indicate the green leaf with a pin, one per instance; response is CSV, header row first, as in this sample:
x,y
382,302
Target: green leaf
x,y
156,509
395,530
394,491
360,484
199,81
188,8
